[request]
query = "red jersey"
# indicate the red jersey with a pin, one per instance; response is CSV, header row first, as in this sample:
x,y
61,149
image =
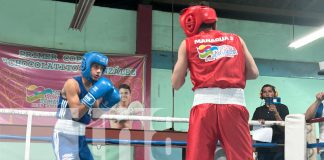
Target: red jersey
x,y
216,59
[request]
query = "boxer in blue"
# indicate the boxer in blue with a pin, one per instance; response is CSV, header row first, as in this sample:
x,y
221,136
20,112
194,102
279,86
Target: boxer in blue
x,y
79,96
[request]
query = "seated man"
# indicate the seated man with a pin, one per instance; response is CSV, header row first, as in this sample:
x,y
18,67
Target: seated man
x,y
271,112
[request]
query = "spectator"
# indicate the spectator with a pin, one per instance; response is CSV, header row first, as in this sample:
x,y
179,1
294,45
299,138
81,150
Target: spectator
x,y
271,112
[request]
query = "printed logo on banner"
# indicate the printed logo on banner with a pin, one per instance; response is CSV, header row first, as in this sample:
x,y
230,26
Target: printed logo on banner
x,y
41,97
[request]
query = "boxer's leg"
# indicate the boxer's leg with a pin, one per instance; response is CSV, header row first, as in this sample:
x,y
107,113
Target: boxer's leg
x,y
202,136
85,153
234,132
66,147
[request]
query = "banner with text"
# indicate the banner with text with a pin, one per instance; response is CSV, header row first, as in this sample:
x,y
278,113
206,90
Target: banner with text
x,y
32,77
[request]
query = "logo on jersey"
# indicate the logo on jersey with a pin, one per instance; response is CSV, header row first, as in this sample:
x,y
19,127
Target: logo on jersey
x,y
211,53
68,156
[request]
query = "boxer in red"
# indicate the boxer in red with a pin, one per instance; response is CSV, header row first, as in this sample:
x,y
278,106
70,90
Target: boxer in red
x,y
219,65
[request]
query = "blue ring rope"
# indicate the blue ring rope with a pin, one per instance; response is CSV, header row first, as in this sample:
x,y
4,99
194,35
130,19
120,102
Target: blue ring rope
x,y
98,140
266,145
142,142
35,138
315,145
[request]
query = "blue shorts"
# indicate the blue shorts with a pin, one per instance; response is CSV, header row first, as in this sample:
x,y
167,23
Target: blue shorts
x,y
70,147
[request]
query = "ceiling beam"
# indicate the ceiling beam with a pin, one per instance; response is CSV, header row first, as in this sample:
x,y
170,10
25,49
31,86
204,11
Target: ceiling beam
x,y
285,4
310,4
251,9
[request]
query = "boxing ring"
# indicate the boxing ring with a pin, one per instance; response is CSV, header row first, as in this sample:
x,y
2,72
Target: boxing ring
x,y
296,146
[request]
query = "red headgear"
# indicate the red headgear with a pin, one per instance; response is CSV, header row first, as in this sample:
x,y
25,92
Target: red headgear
x,y
191,18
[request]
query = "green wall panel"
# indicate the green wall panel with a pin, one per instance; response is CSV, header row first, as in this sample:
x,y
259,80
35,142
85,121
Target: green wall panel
x,y
27,22
46,23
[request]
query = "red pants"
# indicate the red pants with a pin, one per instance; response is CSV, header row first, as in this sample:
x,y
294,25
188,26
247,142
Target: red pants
x,y
227,123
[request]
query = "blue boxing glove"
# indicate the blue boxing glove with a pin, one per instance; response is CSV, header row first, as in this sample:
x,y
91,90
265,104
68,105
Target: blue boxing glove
x,y
110,99
98,90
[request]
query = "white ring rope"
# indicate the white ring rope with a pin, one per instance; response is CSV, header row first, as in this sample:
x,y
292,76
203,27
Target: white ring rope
x,y
25,112
127,117
145,118
267,123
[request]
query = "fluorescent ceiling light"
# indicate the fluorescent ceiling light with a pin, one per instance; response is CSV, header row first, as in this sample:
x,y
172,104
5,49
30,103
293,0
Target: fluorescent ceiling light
x,y
308,38
81,13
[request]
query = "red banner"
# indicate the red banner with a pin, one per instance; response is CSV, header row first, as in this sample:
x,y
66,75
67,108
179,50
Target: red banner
x,y
32,77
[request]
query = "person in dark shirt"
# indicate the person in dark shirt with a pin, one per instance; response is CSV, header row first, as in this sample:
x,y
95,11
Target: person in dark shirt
x,y
271,112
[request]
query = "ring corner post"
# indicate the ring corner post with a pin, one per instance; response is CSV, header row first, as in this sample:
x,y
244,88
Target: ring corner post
x,y
295,137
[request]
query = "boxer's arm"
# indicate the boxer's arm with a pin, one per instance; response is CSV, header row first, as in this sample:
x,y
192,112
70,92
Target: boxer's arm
x,y
180,68
312,109
251,69
96,111
71,89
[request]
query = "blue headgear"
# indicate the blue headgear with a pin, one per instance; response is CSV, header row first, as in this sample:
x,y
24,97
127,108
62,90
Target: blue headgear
x,y
88,59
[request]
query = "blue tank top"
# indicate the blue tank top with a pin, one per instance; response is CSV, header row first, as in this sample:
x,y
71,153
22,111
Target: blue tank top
x,y
63,109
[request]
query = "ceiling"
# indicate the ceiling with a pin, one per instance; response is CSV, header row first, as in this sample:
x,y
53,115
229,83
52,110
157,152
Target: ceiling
x,y
300,12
